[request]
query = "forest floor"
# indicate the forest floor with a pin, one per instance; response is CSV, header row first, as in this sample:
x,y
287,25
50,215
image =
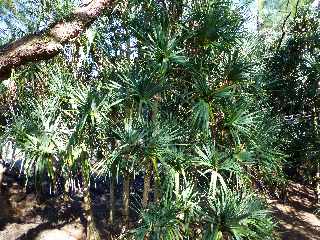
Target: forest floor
x,y
295,217
23,216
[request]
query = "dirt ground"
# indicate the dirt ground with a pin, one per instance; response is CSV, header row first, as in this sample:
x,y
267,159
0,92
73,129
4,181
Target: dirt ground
x,y
296,218
23,216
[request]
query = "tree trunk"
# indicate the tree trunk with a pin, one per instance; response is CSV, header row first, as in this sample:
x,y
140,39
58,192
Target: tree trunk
x,y
126,196
146,186
92,232
112,195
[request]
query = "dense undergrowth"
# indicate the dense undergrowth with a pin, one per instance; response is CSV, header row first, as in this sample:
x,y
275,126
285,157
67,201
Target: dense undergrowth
x,y
183,93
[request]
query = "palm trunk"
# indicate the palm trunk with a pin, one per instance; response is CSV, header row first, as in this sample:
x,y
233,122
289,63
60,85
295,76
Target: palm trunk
x,y
112,195
92,232
146,186
126,196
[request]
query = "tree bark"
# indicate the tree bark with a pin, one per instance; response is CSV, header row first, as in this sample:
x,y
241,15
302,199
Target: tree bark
x,y
92,232
112,195
48,43
126,196
146,185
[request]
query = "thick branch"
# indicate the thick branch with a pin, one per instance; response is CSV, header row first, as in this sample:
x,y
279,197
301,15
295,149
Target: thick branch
x,y
49,43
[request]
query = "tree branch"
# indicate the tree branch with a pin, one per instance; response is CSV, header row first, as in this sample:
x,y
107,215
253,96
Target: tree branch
x,y
48,43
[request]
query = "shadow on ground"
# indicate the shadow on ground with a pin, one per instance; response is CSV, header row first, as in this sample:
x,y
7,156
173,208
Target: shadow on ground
x,y
24,215
296,218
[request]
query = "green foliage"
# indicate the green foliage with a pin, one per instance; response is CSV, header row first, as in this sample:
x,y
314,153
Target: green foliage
x,y
233,215
292,79
217,23
236,215
169,219
181,94
39,133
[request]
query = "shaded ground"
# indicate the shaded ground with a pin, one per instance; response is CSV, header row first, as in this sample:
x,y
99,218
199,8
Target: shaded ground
x,y
23,216
296,218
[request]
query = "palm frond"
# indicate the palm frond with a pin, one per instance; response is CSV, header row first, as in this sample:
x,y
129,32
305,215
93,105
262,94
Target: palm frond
x,y
237,215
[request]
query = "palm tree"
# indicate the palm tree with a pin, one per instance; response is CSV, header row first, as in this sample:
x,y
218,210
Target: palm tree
x,y
130,138
92,106
41,134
